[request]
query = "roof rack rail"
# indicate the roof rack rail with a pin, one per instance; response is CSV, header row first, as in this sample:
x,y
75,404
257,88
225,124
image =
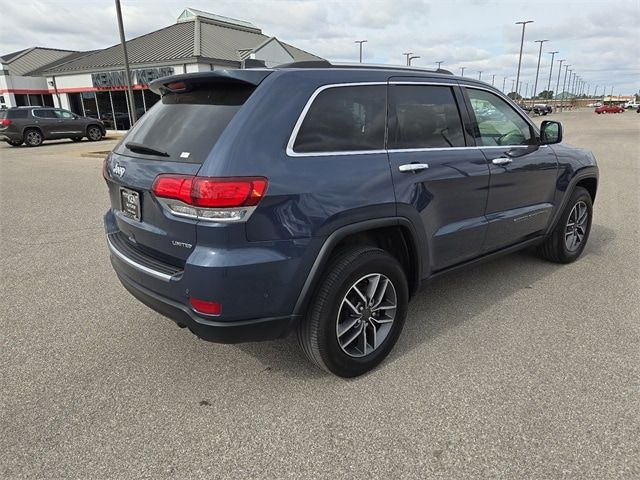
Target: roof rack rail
x,y
326,64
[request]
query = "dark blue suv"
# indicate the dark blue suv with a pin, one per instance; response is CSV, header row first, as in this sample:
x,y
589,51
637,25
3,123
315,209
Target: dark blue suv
x,y
316,198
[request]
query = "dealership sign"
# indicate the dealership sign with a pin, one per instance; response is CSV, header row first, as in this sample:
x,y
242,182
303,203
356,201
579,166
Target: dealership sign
x,y
118,79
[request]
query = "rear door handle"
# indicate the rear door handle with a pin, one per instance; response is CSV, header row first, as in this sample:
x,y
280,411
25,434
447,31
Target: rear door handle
x,y
413,167
501,161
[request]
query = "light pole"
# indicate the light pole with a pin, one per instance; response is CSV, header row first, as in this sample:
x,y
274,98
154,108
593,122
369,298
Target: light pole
x,y
535,85
439,62
564,82
408,54
555,92
504,80
462,71
493,79
526,91
413,58
553,54
524,24
127,71
361,42
513,82
479,74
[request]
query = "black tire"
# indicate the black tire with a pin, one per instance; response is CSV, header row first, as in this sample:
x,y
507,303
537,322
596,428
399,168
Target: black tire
x,y
33,137
555,248
14,143
317,332
77,139
94,133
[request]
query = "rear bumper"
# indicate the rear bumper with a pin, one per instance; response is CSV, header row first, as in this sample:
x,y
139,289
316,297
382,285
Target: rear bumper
x,y
213,331
13,136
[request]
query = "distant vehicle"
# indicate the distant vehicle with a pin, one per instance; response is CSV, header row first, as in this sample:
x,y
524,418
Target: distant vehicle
x,y
33,125
542,109
609,109
631,105
638,110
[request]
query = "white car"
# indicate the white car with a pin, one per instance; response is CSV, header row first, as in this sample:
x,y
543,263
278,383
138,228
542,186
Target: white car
x,y
631,105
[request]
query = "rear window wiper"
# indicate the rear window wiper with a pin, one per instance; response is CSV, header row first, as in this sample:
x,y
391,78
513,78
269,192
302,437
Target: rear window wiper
x,y
139,148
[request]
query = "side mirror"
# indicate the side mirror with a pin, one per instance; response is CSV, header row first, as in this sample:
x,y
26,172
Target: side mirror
x,y
550,132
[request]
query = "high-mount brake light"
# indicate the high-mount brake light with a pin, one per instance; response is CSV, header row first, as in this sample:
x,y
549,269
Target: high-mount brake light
x,y
221,199
176,86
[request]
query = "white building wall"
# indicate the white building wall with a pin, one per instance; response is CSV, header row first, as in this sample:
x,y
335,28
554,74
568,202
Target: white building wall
x,y
273,54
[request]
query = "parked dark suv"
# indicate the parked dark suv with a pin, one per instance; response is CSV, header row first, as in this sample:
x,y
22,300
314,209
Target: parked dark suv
x,y
33,125
247,204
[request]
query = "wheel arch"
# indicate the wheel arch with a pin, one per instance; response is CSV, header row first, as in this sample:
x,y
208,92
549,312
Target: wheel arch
x,y
395,235
586,178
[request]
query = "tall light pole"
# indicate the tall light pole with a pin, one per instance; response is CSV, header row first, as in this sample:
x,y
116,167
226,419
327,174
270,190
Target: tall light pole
x,y
524,24
479,74
408,54
127,71
555,92
526,91
553,54
493,79
462,71
413,57
564,82
535,85
513,82
439,62
504,80
361,42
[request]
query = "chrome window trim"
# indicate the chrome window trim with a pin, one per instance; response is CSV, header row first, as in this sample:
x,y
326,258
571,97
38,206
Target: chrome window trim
x,y
292,138
154,273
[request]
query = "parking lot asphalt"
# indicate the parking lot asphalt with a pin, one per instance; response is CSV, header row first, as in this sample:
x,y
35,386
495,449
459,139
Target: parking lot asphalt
x,y
516,369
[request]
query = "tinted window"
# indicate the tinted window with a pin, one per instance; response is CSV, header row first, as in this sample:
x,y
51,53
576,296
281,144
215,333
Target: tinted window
x,y
63,114
343,119
44,113
423,116
18,113
187,125
498,122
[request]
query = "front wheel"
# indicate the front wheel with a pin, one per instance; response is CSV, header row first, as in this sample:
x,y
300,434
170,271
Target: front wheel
x,y
94,134
568,239
358,312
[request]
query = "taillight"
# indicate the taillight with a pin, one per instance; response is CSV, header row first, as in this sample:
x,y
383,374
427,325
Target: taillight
x,y
206,307
5,122
229,199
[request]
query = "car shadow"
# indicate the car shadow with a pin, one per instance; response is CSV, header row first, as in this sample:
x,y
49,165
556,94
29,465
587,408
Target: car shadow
x,y
436,307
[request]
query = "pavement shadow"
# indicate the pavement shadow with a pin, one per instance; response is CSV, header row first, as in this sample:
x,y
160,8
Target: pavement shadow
x,y
436,307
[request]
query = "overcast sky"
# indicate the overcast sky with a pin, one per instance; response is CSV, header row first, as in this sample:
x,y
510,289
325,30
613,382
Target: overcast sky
x,y
599,38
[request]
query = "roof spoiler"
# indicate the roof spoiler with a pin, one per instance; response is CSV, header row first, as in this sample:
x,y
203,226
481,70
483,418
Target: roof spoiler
x,y
184,81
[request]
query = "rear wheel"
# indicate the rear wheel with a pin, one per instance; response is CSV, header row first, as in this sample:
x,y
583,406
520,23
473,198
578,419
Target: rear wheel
x,y
358,312
94,133
568,239
33,137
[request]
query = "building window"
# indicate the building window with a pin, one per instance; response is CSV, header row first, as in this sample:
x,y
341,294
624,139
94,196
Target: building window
x,y
90,106
21,100
150,98
104,109
47,100
139,103
120,110
75,103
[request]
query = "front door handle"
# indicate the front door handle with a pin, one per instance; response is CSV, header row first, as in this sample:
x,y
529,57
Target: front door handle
x,y
501,161
413,167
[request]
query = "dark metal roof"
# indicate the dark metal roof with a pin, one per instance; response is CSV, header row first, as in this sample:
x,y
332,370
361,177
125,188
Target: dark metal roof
x,y
30,59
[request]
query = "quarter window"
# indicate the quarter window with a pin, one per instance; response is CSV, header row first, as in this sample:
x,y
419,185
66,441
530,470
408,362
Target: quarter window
x,y
423,116
498,123
344,119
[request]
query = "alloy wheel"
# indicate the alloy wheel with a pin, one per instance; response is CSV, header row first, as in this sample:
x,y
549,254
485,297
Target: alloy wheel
x,y
576,228
366,315
95,134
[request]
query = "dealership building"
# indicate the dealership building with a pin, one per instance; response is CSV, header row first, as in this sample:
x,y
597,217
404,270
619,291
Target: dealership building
x,y
93,83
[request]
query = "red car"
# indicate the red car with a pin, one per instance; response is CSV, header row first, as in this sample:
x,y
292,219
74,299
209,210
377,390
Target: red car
x,y
609,109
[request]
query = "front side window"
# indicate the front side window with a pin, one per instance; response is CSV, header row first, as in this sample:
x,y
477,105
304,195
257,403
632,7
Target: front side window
x,y
64,114
344,119
423,116
498,123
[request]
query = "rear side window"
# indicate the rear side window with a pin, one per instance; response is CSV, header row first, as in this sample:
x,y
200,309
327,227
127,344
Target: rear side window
x,y
186,126
344,119
423,116
18,113
44,113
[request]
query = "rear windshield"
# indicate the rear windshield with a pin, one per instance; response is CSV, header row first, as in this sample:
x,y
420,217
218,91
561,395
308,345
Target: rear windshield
x,y
186,126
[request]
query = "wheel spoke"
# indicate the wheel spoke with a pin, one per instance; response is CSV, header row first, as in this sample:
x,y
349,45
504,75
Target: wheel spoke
x,y
381,321
355,335
372,288
349,325
352,306
364,340
357,290
375,336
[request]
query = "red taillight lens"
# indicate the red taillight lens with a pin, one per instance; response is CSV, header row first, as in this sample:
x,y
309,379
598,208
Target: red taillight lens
x,y
5,122
206,307
211,192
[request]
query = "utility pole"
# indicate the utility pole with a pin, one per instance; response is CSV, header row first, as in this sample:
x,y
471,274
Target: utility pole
x,y
462,71
479,74
535,85
504,80
361,42
553,54
408,54
127,71
493,79
524,24
555,92
512,89
439,62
